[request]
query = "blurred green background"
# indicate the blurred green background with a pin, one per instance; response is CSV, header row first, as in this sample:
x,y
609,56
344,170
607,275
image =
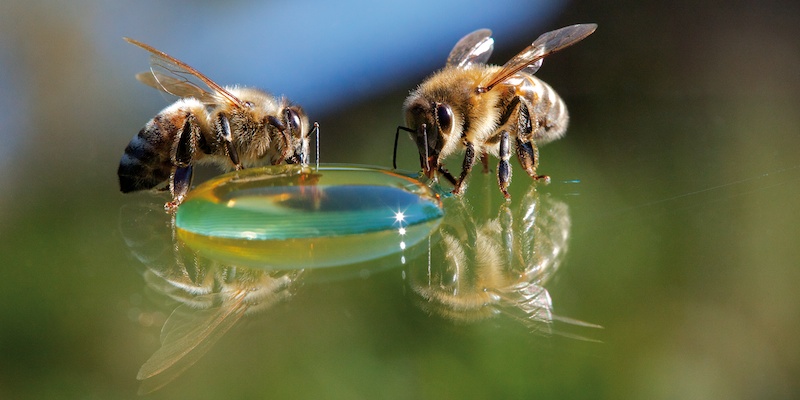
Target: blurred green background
x,y
679,171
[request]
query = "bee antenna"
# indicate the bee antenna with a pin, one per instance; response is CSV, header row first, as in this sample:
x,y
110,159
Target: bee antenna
x,y
316,157
394,152
425,137
396,137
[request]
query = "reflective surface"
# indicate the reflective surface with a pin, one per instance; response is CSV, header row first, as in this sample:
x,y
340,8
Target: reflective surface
x,y
477,265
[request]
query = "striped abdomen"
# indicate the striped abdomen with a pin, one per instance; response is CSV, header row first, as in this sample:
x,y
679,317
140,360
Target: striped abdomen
x,y
146,162
548,112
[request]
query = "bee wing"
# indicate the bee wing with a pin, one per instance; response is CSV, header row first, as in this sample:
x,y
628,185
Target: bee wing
x,y
175,77
531,58
475,48
175,86
188,334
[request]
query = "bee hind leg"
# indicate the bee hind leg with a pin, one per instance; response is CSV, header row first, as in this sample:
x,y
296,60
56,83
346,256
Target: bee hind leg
x,y
528,155
180,182
527,152
182,155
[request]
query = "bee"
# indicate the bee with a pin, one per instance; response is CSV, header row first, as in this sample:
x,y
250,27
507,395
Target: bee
x,y
482,109
232,127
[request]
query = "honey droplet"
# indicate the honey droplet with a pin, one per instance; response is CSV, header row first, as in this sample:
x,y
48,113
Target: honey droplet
x,y
287,217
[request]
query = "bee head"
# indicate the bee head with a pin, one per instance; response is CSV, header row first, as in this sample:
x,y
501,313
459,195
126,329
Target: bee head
x,y
297,127
430,125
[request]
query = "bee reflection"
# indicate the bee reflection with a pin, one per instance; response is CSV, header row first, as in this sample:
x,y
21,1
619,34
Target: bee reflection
x,y
211,297
482,267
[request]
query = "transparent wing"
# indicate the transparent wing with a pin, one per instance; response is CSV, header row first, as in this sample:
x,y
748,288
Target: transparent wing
x,y
175,86
176,355
474,48
530,59
176,77
188,334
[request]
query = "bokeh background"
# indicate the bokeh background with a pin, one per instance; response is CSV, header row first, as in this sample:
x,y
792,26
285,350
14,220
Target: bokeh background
x,y
680,172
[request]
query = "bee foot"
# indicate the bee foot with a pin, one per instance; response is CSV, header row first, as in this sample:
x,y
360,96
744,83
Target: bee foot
x,y
172,206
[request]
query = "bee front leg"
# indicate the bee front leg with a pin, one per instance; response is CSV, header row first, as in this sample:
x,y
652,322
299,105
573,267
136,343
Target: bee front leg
x,y
287,140
466,167
224,133
182,155
447,175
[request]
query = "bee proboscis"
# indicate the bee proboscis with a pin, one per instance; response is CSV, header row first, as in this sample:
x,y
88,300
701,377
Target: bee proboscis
x,y
485,109
232,127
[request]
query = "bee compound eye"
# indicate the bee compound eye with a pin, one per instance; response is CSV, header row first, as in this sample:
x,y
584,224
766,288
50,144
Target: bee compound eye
x,y
444,118
293,119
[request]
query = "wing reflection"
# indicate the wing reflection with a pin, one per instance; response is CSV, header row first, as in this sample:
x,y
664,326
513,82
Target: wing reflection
x,y
212,297
484,266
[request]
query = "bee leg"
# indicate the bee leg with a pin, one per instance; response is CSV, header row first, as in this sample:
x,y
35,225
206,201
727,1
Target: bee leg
x,y
528,156
527,152
287,149
516,107
280,126
180,179
485,162
180,182
469,161
447,175
503,168
224,132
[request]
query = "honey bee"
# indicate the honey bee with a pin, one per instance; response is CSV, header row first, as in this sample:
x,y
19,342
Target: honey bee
x,y
482,108
232,127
